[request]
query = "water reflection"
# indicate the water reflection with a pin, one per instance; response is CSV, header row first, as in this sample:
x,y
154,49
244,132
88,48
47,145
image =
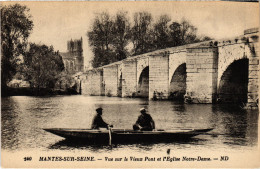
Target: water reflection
x,y
23,119
140,146
240,125
67,145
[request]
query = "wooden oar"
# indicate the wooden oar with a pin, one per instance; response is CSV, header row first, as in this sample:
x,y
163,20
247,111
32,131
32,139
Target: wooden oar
x,y
110,135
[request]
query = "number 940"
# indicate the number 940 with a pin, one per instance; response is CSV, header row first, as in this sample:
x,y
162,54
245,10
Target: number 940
x,y
27,158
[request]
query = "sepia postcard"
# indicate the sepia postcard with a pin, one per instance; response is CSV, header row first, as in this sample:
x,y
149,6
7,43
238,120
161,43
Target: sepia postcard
x,y
129,84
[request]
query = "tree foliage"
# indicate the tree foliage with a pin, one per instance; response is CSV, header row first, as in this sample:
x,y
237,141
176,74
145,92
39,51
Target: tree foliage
x,y
188,32
141,32
42,66
175,34
162,33
100,39
16,26
64,81
121,35
110,37
183,33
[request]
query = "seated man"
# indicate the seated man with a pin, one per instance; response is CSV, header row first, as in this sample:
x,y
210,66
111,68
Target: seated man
x,y
144,122
98,122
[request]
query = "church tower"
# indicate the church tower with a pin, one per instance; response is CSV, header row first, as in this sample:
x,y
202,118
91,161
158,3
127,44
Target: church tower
x,y
75,50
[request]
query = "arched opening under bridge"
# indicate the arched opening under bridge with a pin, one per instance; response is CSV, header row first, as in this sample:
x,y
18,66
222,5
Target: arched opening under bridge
x,y
177,88
143,83
233,85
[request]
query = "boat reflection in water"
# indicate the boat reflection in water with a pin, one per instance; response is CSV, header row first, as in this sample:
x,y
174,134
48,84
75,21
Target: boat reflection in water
x,y
126,136
67,144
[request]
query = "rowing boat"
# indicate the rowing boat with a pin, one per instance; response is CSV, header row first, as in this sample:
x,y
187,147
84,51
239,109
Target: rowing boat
x,y
126,135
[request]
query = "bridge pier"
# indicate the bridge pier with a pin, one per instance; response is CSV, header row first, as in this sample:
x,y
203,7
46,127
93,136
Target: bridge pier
x,y
202,69
110,77
129,73
159,76
253,81
92,83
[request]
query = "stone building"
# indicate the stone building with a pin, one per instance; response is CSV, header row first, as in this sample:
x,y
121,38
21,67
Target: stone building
x,y
73,59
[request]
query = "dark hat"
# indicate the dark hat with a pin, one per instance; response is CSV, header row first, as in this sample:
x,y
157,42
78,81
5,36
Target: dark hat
x,y
99,109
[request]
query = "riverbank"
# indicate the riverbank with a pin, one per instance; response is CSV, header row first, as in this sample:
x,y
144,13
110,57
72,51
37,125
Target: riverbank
x,y
27,91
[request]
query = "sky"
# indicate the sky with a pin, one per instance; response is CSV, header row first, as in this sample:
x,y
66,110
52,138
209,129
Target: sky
x,y
57,22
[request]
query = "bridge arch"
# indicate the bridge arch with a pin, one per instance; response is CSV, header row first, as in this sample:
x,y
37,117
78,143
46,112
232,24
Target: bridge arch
x,y
143,83
141,64
229,54
175,60
177,87
233,84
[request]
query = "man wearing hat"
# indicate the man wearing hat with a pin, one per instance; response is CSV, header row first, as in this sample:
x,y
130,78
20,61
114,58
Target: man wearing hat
x,y
98,122
144,122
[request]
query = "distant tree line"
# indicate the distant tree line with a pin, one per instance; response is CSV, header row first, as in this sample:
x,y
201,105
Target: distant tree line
x,y
114,38
37,64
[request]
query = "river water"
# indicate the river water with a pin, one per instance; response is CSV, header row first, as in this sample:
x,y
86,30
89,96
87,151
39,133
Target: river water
x,y
24,117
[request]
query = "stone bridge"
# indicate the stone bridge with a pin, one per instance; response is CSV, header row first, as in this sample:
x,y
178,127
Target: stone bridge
x,y
224,71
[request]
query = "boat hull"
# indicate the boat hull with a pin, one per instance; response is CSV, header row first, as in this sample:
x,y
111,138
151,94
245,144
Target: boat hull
x,y
124,136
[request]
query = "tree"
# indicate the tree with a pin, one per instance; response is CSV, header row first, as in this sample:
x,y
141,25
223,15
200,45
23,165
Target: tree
x,y
65,81
188,32
100,38
183,33
175,34
110,36
205,38
141,33
101,56
121,35
161,32
16,26
42,66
